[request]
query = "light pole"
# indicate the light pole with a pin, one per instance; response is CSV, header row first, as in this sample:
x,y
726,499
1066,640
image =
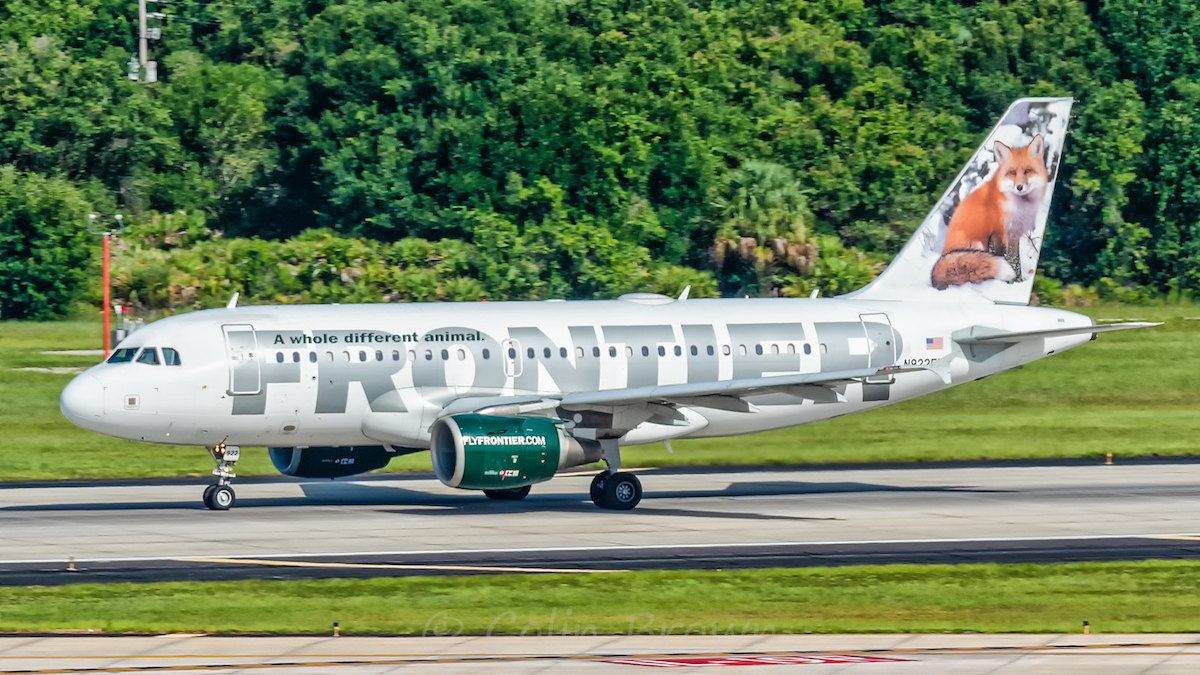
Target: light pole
x,y
107,234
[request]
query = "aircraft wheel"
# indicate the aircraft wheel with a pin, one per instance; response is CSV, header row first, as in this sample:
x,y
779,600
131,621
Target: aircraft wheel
x,y
620,492
596,492
221,498
509,494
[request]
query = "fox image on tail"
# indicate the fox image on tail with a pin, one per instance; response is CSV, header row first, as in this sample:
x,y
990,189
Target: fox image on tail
x,y
985,233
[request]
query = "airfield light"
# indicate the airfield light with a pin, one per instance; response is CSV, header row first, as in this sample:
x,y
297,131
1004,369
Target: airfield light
x,y
108,235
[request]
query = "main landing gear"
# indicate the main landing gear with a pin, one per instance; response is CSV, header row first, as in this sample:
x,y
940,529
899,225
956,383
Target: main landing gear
x,y
615,489
618,491
220,495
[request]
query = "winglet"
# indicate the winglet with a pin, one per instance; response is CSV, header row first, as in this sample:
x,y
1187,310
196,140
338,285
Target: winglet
x,y
232,301
684,295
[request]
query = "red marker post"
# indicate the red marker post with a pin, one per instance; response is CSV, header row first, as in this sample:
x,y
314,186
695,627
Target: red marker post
x,y
108,235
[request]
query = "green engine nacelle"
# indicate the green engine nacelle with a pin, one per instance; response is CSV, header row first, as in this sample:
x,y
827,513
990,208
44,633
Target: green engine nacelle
x,y
481,452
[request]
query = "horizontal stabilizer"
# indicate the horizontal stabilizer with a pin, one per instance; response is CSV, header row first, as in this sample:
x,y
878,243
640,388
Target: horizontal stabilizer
x,y
991,336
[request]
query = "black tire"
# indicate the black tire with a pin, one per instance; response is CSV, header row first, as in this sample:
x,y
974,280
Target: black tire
x,y
622,492
222,498
208,495
596,492
509,494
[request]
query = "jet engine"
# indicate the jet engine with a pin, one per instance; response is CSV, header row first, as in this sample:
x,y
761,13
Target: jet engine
x,y
326,462
482,452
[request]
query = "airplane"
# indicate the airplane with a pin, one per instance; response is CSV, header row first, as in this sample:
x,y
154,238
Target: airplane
x,y
506,394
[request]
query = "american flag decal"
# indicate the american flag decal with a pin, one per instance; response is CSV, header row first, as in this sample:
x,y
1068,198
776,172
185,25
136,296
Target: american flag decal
x,y
933,343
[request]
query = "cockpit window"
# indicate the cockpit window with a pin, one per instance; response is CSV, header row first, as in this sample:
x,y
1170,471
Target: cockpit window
x,y
171,357
124,355
149,356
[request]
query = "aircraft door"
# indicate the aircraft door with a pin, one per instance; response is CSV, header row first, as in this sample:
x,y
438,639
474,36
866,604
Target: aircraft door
x,y
512,357
245,374
881,340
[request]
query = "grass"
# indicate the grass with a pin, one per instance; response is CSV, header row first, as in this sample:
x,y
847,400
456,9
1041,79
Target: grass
x,y
1126,597
1129,393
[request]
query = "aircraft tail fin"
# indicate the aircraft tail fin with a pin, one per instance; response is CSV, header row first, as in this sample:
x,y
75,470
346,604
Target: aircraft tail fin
x,y
982,239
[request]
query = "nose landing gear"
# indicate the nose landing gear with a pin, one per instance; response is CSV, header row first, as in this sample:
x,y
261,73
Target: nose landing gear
x,y
220,495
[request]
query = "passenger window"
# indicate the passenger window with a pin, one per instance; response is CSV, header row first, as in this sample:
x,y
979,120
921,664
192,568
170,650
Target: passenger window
x,y
412,355
629,352
295,357
774,349
562,352
579,352
711,351
378,354
741,350
278,357
148,356
807,348
679,350
530,352
428,354
512,353
487,354
725,350
546,352
645,351
445,355
346,356
123,355
695,351
329,356
612,352
462,355
312,357
171,357
596,352
362,355
395,355
662,351
791,348
824,348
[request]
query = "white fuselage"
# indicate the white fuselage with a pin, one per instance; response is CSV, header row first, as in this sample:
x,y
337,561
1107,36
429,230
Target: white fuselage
x,y
340,375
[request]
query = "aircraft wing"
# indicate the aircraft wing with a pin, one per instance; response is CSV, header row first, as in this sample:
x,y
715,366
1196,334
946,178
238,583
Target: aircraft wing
x,y
736,387
991,335
723,394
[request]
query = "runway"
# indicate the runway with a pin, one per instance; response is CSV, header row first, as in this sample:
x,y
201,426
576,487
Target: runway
x,y
405,525
816,654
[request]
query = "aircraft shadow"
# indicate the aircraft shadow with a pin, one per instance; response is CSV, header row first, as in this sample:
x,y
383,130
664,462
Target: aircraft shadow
x,y
370,494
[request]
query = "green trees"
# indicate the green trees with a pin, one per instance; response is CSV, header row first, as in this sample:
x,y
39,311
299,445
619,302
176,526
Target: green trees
x,y
527,149
44,244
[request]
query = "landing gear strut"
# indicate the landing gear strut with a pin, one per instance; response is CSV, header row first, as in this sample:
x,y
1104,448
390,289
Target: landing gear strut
x,y
220,495
615,489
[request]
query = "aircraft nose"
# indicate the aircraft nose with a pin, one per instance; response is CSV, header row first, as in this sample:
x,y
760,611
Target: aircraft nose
x,y
83,400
